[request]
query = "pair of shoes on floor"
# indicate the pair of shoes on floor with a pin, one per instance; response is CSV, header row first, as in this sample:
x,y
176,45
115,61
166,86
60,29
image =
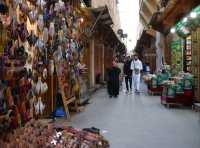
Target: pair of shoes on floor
x,y
137,91
115,96
129,92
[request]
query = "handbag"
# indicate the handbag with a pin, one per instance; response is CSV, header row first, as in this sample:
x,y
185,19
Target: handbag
x,y
137,71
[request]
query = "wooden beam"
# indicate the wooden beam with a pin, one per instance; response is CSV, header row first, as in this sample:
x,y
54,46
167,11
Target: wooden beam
x,y
146,19
149,7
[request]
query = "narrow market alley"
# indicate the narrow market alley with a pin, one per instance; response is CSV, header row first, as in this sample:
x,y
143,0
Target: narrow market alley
x,y
99,73
139,121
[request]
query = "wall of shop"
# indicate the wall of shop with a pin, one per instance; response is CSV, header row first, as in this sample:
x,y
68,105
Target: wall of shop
x,y
149,56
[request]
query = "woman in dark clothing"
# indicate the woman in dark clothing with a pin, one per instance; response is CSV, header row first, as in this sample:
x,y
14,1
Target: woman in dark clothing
x,y
113,80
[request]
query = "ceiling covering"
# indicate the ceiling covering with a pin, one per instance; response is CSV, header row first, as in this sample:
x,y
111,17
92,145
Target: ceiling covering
x,y
174,11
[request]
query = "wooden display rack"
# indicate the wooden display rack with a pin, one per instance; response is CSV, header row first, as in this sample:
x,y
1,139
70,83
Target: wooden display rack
x,y
66,100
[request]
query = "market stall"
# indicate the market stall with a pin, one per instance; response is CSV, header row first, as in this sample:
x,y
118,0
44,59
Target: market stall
x,y
178,90
188,29
40,54
155,81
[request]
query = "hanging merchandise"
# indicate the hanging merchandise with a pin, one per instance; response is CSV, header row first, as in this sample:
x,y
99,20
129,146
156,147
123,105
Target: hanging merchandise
x,y
6,20
33,14
39,106
39,39
51,67
24,7
22,32
3,8
41,4
40,87
52,30
44,74
40,23
45,35
32,39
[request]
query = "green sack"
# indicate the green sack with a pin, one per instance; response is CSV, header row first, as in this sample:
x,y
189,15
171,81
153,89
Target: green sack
x,y
154,83
171,92
188,82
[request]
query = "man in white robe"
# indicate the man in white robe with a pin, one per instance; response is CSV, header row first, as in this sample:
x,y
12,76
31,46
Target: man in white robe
x,y
136,67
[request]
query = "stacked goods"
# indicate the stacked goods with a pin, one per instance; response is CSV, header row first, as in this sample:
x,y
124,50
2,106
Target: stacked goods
x,y
169,90
162,77
179,90
188,81
154,83
38,135
179,86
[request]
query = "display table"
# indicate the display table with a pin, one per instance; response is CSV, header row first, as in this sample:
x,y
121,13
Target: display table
x,y
35,134
174,94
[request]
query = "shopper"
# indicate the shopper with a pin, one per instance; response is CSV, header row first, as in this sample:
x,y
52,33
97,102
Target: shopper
x,y
136,67
120,65
146,68
128,74
113,80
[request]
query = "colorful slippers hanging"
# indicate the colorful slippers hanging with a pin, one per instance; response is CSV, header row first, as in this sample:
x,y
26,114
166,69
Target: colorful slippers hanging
x,y
32,39
51,67
6,20
41,4
22,32
24,7
51,30
39,107
3,8
40,23
41,87
13,28
45,35
33,15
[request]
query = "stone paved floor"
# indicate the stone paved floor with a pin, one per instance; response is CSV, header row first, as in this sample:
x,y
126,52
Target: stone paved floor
x,y
133,121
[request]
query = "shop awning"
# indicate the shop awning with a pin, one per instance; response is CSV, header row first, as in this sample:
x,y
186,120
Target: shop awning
x,y
102,14
174,11
112,40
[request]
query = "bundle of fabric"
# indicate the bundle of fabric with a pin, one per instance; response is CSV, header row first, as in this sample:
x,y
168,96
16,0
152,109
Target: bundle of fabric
x,y
35,134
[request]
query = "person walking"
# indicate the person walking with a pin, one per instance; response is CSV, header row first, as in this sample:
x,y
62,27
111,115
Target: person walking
x,y
128,74
120,65
136,67
113,80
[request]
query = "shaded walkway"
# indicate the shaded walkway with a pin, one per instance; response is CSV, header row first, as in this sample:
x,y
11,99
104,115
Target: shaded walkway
x,y
140,122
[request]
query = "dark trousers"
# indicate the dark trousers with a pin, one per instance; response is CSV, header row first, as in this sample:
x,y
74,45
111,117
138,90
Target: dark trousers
x,y
128,81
